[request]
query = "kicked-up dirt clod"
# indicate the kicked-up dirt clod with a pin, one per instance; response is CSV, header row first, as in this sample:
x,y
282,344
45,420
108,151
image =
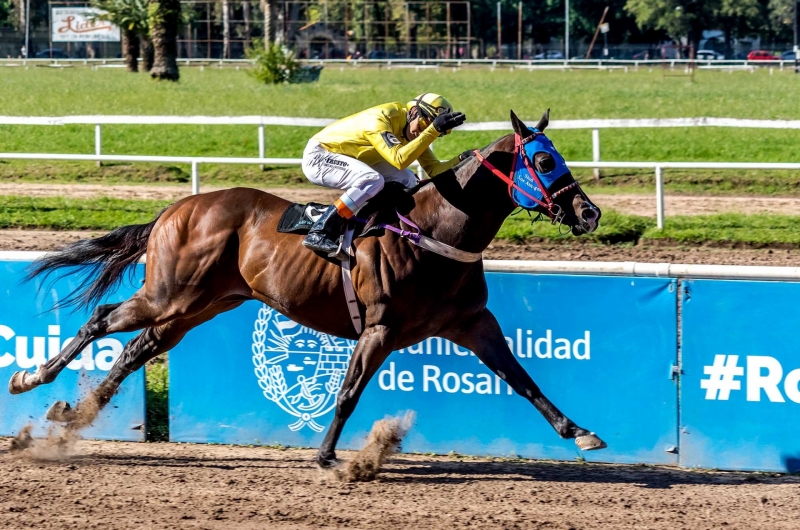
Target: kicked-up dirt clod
x,y
384,439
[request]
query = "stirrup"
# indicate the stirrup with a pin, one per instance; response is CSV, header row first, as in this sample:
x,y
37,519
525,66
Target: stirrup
x,y
345,242
341,252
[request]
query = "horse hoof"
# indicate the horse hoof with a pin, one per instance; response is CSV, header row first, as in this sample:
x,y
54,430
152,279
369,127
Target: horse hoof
x,y
327,462
16,385
589,442
61,412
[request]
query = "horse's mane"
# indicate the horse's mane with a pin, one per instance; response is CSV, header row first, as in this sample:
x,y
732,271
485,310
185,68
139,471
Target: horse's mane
x,y
453,169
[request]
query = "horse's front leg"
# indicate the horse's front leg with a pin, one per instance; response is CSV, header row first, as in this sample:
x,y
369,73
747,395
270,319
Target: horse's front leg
x,y
373,347
483,336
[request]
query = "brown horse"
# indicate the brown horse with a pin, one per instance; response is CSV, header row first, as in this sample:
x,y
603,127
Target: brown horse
x,y
209,253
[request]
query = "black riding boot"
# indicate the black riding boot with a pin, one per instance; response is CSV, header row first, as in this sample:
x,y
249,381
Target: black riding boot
x,y
324,234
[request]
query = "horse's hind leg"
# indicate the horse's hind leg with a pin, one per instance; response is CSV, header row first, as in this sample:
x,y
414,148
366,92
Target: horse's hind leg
x,y
483,336
139,311
94,329
149,343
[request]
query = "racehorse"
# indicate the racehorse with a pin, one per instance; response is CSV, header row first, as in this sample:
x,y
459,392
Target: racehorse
x,y
209,253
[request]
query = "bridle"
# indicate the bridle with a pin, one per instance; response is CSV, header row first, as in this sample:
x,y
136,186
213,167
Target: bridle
x,y
554,211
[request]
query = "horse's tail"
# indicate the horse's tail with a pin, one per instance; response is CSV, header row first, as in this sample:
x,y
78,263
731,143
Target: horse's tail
x,y
103,260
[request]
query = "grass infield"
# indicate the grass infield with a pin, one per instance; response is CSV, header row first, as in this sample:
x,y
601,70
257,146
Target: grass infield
x,y
482,94
157,399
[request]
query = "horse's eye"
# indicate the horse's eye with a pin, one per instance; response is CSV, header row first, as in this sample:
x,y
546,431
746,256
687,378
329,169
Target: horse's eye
x,y
545,162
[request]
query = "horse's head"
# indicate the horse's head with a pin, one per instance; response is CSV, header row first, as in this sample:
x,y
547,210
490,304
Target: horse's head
x,y
542,182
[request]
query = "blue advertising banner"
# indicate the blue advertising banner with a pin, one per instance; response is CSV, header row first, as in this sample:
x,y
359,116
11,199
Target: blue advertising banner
x,y
600,348
30,335
741,368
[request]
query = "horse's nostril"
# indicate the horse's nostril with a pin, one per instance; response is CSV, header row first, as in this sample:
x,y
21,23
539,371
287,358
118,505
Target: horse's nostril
x,y
589,214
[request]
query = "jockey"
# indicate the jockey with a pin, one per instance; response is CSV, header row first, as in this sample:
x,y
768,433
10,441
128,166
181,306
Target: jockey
x,y
361,152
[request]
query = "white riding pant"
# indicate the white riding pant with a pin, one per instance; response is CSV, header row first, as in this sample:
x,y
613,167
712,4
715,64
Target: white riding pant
x,y
360,181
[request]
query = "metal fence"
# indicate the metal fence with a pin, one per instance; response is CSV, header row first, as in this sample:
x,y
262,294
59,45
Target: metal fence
x,y
525,64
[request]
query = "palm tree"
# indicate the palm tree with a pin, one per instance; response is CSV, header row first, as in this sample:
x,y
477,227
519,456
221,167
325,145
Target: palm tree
x,y
164,20
131,17
226,30
266,9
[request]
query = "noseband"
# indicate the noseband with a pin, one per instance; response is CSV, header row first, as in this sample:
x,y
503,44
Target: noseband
x,y
553,210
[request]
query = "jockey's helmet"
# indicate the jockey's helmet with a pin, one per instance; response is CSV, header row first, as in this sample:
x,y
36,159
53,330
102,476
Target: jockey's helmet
x,y
430,106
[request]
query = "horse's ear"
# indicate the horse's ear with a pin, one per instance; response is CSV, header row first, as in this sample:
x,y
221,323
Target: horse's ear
x,y
544,122
519,127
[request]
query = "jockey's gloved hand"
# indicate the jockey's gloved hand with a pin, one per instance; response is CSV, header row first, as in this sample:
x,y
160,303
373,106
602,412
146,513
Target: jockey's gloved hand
x,y
445,122
466,154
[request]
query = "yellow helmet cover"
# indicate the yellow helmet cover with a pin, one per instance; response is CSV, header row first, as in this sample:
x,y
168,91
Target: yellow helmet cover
x,y
430,106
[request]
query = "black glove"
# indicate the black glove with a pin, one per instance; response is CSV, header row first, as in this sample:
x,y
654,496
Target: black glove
x,y
466,154
445,122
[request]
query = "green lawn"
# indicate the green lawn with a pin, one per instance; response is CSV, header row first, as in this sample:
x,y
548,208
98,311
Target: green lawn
x,y
615,228
482,94
157,399
75,214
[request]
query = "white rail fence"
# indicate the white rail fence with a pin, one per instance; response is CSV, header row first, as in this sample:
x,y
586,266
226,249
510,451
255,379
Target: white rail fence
x,y
262,121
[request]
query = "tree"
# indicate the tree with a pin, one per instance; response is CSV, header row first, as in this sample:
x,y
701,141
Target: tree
x,y
164,17
740,18
266,8
679,18
132,18
585,15
147,51
781,18
5,12
221,10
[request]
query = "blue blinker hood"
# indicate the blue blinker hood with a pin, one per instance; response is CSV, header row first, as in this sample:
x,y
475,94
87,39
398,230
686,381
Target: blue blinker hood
x,y
522,178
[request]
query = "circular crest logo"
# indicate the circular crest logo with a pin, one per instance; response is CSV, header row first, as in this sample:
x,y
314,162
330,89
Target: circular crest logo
x,y
299,369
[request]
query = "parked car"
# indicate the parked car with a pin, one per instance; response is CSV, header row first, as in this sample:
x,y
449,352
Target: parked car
x,y
708,55
549,54
788,55
761,55
381,54
55,53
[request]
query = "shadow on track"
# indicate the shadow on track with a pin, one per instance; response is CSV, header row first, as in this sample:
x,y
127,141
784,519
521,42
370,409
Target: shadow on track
x,y
657,477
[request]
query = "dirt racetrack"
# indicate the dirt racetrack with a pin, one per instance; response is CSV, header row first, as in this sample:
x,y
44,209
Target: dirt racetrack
x,y
570,249
159,485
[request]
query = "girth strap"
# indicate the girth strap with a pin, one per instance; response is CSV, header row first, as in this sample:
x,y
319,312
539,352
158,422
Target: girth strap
x,y
347,280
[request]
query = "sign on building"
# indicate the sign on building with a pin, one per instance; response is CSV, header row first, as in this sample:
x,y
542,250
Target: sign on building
x,y
75,24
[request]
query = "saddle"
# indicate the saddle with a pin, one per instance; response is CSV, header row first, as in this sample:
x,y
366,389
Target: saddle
x,y
298,218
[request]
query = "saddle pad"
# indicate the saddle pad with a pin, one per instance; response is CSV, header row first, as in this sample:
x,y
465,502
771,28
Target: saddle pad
x,y
298,218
